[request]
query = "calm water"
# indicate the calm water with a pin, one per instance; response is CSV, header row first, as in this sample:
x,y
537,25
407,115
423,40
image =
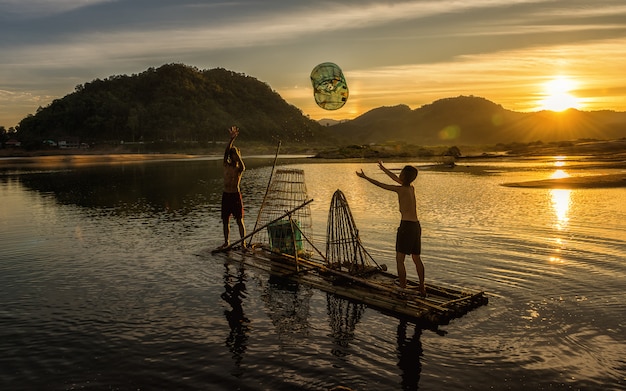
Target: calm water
x,y
107,282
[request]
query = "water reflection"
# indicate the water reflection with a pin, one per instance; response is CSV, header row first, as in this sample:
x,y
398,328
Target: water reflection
x,y
288,306
343,317
561,200
169,186
559,161
558,174
235,291
409,354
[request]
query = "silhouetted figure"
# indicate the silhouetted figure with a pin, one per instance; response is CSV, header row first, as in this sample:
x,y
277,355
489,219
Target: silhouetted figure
x,y
232,203
409,354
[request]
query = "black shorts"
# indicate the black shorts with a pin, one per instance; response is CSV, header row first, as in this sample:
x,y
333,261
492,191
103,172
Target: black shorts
x,y
232,205
409,237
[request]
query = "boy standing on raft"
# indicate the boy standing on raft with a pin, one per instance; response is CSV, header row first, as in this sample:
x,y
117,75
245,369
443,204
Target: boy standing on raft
x,y
231,197
408,239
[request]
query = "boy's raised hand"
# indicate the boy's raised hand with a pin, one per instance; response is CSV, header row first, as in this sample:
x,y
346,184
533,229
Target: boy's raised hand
x,y
234,132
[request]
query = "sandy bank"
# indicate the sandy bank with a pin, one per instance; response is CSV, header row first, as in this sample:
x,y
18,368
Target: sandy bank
x,y
582,182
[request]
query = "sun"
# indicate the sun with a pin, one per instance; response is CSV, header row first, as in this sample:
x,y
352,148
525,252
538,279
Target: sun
x,y
557,95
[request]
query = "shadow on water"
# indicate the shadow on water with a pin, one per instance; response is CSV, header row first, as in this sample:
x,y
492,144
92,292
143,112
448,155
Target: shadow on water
x,y
234,292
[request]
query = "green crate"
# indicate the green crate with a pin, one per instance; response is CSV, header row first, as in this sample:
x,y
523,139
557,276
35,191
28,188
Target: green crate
x,y
281,235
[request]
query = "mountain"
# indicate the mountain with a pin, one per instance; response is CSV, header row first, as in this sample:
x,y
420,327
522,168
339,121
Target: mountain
x,y
469,120
330,121
176,103
172,103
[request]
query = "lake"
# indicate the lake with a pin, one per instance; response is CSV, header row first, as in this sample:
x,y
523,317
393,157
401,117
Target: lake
x,y
108,281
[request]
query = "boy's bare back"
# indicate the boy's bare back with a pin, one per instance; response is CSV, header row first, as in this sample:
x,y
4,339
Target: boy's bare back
x,y
232,178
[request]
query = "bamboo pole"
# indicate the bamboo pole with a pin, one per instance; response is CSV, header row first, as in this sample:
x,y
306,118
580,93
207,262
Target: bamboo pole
x,y
267,189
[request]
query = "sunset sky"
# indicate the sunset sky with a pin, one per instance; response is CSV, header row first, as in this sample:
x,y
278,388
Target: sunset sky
x,y
525,55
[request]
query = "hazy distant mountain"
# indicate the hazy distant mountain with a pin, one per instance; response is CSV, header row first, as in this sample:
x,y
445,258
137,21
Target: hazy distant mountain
x,y
330,122
467,120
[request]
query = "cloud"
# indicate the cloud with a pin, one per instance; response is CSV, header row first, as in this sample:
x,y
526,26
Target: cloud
x,y
393,50
513,78
39,8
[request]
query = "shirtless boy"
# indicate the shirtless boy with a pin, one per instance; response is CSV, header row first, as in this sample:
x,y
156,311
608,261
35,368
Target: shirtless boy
x,y
231,197
408,239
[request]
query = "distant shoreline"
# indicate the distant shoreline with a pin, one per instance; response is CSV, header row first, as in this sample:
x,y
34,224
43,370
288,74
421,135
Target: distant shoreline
x,y
588,155
582,182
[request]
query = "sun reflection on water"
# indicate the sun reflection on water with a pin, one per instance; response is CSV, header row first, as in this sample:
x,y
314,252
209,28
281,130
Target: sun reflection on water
x,y
558,174
561,199
561,202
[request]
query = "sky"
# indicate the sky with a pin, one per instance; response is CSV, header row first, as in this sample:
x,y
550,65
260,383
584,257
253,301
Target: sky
x,y
526,55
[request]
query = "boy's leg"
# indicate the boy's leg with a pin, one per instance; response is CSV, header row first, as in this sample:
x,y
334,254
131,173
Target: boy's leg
x,y
225,213
242,230
401,269
226,222
419,267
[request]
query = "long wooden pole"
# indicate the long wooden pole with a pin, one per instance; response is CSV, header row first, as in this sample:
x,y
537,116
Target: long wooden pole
x,y
267,190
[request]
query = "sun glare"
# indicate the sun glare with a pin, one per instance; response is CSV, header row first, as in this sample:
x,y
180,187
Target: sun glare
x,y
557,95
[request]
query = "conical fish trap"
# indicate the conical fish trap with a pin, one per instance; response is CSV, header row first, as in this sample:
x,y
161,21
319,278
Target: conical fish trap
x,y
286,192
343,245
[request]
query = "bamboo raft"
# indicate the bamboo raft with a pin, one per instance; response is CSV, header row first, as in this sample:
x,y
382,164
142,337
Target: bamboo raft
x,y
281,247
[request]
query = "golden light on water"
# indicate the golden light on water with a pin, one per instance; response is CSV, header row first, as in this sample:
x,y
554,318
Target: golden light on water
x,y
560,198
557,95
558,174
561,201
555,259
560,161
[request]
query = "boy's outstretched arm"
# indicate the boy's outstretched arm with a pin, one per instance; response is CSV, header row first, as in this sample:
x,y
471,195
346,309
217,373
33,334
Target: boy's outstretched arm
x,y
385,186
389,173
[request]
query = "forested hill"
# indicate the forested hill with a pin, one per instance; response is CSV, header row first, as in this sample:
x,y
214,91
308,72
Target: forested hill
x,y
171,103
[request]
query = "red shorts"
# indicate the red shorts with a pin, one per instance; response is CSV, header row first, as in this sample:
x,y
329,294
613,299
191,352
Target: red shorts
x,y
232,205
